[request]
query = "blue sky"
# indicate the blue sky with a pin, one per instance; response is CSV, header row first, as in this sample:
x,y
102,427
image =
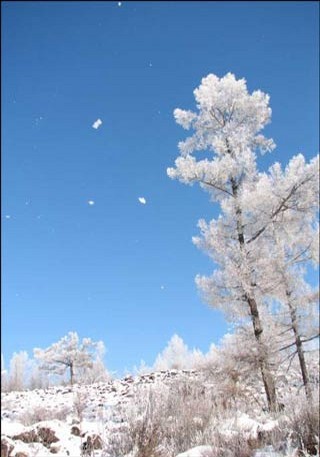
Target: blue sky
x,y
118,270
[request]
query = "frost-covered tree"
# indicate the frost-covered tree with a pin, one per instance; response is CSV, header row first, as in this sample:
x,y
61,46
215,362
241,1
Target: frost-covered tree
x,y
18,370
176,355
227,134
97,371
4,375
142,369
233,369
288,251
300,303
38,379
67,354
286,245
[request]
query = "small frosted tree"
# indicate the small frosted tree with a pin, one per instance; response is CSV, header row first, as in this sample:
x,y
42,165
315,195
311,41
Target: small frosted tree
x,y
38,379
177,355
226,133
67,354
18,370
4,375
142,369
174,356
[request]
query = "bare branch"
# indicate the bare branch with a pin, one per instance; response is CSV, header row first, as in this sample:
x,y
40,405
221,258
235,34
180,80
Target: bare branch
x,y
311,338
216,187
283,206
212,113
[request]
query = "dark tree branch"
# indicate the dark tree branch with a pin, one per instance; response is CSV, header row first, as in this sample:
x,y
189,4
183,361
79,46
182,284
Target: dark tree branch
x,y
216,187
283,206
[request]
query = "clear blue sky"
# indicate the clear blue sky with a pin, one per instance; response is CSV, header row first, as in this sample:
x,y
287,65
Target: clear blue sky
x,y
118,270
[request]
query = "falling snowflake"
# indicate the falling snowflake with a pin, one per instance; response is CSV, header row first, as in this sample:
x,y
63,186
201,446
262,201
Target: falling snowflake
x,y
162,287
119,4
91,202
142,200
38,120
97,124
8,216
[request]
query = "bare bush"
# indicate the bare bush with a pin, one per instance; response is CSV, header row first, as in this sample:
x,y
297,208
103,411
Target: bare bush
x,y
162,421
140,431
79,405
300,426
40,413
231,445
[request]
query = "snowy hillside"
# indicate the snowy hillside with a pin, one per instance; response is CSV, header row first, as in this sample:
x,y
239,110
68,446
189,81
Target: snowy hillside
x,y
168,413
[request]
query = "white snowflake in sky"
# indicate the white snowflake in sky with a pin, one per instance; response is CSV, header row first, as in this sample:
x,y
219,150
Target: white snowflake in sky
x,y
8,216
91,202
142,200
97,124
119,4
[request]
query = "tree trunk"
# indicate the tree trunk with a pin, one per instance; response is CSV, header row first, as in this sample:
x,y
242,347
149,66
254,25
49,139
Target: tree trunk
x,y
298,343
71,373
267,378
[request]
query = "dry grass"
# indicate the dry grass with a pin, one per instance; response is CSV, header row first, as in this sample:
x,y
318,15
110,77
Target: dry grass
x,y
41,413
300,426
163,422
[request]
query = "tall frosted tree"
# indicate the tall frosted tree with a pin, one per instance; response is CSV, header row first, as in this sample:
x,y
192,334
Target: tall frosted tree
x,y
220,155
289,248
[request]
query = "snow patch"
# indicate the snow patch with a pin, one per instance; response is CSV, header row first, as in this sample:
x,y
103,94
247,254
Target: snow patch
x,y
199,451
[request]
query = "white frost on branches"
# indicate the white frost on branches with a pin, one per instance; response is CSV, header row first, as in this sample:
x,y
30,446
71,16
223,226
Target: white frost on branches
x,y
228,123
68,354
267,228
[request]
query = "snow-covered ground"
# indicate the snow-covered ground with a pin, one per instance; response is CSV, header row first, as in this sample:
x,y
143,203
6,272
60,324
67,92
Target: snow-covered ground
x,y
87,420
71,414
